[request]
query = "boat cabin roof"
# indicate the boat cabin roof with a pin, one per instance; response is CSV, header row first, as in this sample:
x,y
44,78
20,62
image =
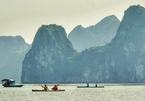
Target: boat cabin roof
x,y
7,80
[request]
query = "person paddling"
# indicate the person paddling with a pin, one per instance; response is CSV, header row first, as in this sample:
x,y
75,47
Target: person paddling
x,y
87,84
55,88
45,88
96,85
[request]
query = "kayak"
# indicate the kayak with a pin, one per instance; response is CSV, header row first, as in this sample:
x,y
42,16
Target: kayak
x,y
90,87
36,90
14,86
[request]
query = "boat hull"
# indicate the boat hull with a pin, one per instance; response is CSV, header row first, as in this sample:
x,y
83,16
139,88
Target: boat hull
x,y
14,86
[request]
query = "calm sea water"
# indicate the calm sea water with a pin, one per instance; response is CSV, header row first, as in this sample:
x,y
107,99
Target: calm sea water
x,y
111,92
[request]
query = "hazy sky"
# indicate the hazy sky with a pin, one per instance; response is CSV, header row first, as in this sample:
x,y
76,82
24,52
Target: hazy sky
x,y
24,17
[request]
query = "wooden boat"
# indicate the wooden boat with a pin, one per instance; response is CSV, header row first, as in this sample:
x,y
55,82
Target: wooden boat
x,y
36,90
90,87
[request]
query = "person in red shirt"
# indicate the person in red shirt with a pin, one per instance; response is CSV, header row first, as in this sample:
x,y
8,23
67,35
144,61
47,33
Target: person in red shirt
x,y
55,88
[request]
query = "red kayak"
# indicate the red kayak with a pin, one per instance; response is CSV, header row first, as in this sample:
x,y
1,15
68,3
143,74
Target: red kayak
x,y
36,90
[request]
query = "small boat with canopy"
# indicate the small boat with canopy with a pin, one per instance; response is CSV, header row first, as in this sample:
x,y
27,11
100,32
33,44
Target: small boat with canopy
x,y
10,83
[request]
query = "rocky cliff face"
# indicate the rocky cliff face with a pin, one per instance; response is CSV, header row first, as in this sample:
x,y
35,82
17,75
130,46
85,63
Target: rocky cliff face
x,y
12,52
96,35
127,48
46,61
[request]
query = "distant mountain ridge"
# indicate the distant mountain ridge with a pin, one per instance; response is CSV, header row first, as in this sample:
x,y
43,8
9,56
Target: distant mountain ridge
x,y
95,35
54,60
12,52
122,60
